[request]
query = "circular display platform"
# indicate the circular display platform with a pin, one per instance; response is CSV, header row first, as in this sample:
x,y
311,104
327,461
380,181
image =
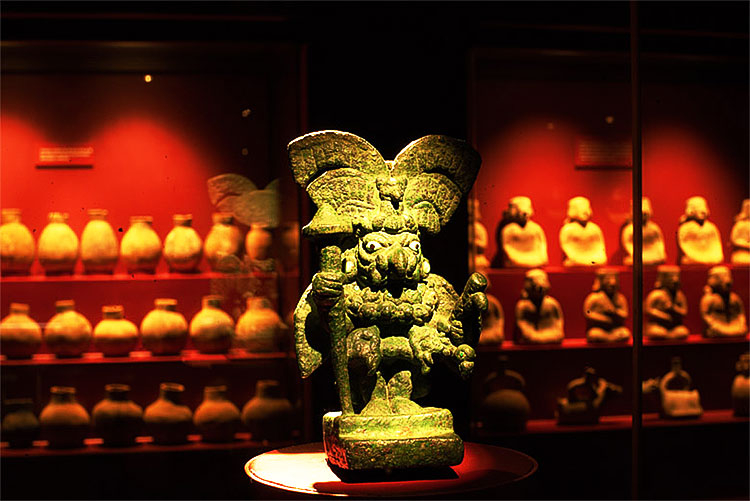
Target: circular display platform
x,y
304,469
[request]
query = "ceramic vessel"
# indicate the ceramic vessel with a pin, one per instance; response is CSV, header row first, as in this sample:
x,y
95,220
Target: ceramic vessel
x,y
223,240
164,331
212,329
20,426
99,247
698,239
20,335
290,245
740,235
216,418
521,240
115,336
678,399
259,328
65,423
581,240
539,316
606,309
57,248
654,251
741,387
504,408
140,247
16,243
666,306
183,246
493,322
721,309
117,419
167,419
68,333
268,415
258,242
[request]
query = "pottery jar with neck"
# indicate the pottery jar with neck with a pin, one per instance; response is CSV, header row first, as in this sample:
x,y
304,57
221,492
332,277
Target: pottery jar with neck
x,y
164,331
140,247
20,427
167,419
223,240
17,246
20,335
100,249
216,418
115,336
57,248
117,419
67,333
183,246
258,242
259,328
268,415
65,423
212,329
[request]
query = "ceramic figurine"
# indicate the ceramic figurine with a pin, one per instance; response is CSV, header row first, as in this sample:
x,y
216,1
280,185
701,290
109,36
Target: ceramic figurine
x,y
698,238
114,335
606,309
17,246
721,309
20,335
678,400
224,241
375,299
585,398
20,427
521,241
65,423
740,235
478,239
666,306
183,247
581,240
654,251
67,333
100,249
259,328
741,386
57,248
117,419
504,408
212,329
164,331
493,322
268,415
140,247
167,419
216,418
290,246
539,317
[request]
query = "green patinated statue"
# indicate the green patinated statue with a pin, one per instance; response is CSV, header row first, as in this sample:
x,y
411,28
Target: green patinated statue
x,y
374,306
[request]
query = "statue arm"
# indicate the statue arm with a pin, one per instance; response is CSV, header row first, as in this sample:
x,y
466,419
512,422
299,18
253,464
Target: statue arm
x,y
679,305
591,313
652,306
524,310
621,306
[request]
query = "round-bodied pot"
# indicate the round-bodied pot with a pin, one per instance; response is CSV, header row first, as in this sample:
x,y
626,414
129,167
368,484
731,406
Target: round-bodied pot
x,y
164,331
268,415
57,248
20,427
17,246
167,419
223,240
20,335
117,419
68,333
115,336
258,242
100,249
212,329
183,246
65,423
140,247
216,418
259,328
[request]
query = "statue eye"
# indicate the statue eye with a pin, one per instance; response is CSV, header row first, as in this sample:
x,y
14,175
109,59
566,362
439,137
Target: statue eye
x,y
415,246
372,246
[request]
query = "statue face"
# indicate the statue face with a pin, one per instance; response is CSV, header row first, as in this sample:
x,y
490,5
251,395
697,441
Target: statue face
x,y
745,211
720,279
670,280
697,208
536,284
646,209
579,209
521,208
390,259
609,283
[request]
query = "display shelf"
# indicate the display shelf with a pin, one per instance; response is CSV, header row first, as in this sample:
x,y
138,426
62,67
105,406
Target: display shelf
x,y
143,444
137,357
145,277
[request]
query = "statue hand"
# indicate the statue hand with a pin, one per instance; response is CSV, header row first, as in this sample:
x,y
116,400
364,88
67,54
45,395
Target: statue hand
x,y
327,287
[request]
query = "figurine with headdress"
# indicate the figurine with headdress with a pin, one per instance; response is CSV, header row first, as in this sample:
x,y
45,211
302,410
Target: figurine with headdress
x,y
698,238
654,251
581,240
539,316
740,235
606,309
521,241
722,310
666,306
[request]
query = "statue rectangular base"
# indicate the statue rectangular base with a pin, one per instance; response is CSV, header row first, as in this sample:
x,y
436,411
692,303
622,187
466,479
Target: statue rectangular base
x,y
355,442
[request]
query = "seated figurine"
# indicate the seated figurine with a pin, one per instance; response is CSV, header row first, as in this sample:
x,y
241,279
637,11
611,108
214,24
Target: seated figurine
x,y
581,240
606,309
477,238
539,317
721,309
740,235
585,398
678,400
666,306
653,239
741,386
504,408
698,238
493,322
521,241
